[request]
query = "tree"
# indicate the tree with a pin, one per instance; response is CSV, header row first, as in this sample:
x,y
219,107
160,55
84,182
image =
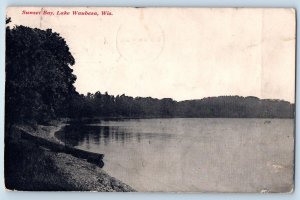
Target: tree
x,y
39,80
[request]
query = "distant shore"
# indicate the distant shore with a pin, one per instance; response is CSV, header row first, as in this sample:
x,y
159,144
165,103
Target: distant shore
x,y
41,169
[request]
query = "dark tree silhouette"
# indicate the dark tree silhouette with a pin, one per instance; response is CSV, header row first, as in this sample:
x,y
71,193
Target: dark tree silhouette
x,y
105,105
39,80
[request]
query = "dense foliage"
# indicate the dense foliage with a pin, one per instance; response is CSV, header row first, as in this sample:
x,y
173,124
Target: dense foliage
x,y
39,80
105,105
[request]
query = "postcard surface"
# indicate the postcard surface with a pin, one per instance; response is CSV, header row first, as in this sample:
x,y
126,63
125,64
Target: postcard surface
x,y
150,99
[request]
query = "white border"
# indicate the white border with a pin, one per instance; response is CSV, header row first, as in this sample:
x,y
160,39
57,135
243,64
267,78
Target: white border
x,y
136,3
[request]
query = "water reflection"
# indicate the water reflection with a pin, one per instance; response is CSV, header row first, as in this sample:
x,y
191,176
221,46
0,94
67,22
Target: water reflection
x,y
79,134
188,154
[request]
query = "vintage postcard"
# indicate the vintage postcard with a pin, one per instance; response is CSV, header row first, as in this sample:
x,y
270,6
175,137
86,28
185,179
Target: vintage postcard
x,y
150,99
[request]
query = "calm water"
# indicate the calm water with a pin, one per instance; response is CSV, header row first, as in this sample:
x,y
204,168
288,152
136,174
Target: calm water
x,y
249,155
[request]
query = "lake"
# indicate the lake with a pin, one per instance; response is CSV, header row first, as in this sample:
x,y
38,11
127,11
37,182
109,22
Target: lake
x,y
192,154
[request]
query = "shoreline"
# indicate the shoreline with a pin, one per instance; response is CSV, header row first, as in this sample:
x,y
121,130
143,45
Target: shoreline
x,y
70,173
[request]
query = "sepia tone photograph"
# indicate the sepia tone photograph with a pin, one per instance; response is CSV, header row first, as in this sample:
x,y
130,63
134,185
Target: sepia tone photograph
x,y
112,99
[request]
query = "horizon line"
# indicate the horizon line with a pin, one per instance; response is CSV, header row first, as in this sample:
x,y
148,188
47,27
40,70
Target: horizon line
x,y
195,99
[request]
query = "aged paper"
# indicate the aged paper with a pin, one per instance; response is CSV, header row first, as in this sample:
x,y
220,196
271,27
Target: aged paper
x,y
150,99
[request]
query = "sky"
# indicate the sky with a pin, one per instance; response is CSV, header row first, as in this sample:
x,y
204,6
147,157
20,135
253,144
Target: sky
x,y
177,53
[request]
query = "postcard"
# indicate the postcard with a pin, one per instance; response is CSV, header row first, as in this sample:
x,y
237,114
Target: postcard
x,y
115,99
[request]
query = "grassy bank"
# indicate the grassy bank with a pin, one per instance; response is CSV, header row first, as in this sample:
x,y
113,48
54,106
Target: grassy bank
x,y
30,167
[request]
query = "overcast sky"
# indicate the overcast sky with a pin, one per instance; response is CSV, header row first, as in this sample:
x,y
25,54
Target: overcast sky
x,y
178,53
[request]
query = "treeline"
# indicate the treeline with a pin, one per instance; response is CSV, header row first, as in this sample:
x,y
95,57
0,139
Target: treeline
x,y
40,87
105,105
